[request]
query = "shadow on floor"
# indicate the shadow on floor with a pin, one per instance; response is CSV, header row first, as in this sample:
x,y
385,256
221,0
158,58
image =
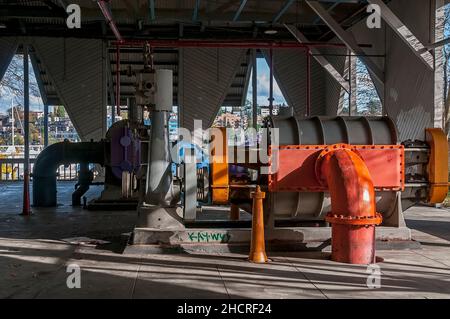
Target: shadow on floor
x,y
439,229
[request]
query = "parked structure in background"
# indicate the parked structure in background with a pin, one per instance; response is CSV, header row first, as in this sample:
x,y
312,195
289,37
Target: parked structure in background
x,y
60,127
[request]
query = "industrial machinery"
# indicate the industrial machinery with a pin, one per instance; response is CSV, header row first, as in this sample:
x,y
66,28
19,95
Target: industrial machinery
x,y
348,172
403,174
122,153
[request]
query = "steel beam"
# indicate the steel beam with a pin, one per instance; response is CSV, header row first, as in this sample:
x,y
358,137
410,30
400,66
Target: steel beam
x,y
196,9
319,58
283,10
404,33
350,42
151,5
239,11
330,9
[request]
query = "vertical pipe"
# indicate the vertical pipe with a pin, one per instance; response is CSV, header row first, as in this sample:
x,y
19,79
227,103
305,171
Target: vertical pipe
x,y
308,83
160,190
45,125
353,205
26,126
118,79
271,84
254,90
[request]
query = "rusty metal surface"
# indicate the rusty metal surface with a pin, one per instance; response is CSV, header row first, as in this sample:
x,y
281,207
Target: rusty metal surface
x,y
353,217
295,167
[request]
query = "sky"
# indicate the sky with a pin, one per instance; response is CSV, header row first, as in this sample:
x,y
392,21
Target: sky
x,y
263,90
5,98
263,76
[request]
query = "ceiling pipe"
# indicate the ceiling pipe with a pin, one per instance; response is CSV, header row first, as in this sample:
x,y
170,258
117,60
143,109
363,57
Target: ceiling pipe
x,y
229,44
109,19
353,214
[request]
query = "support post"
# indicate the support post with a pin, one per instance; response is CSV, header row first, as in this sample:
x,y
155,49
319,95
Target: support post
x,y
271,84
26,210
118,79
45,125
255,90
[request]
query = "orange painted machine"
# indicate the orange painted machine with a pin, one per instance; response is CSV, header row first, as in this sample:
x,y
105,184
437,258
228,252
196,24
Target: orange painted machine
x,y
297,177
402,173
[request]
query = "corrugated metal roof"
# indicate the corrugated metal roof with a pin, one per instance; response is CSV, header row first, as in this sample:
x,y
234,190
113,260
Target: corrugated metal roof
x,y
207,75
290,72
8,47
77,71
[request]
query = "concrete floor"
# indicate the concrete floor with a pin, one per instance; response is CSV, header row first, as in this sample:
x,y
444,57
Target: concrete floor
x,y
35,253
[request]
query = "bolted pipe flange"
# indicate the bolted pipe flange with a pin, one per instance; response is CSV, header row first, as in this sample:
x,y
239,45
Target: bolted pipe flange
x,y
354,220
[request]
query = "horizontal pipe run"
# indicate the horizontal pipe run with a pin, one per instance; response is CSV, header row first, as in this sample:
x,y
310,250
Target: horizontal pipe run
x,y
228,44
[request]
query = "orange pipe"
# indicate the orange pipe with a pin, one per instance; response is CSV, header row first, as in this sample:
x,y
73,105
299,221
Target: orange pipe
x,y
354,215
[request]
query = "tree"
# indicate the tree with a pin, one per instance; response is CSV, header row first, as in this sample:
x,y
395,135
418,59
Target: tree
x,y
18,140
373,108
12,82
60,111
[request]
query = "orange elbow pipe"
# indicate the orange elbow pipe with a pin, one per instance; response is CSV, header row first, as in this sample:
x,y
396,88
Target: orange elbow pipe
x,y
353,217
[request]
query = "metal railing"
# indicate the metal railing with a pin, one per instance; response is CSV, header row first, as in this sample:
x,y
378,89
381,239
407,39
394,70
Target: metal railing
x,y
11,169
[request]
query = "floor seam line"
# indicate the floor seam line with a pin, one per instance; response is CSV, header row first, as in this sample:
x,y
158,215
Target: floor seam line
x,y
133,288
306,277
436,261
223,281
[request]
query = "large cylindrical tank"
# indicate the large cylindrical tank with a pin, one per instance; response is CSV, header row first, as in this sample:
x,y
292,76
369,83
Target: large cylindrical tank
x,y
309,206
